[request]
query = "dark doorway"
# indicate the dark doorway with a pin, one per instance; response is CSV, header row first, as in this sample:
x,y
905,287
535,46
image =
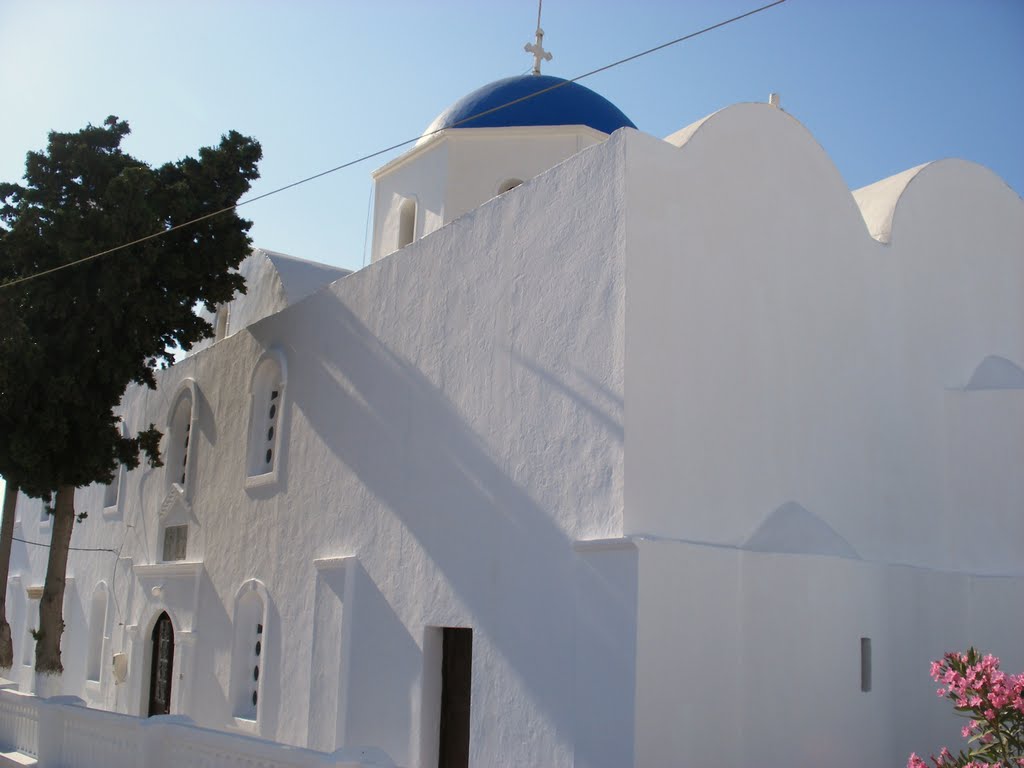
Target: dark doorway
x,y
163,667
456,679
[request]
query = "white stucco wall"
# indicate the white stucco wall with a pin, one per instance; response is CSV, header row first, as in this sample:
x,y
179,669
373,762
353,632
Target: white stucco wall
x,y
777,353
452,417
771,675
819,393
459,169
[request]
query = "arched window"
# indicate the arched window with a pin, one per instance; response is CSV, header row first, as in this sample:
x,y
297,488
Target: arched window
x,y
97,632
266,417
161,672
180,443
249,650
508,184
406,222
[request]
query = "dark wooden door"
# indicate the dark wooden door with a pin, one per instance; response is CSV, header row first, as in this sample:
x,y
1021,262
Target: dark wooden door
x,y
163,667
456,680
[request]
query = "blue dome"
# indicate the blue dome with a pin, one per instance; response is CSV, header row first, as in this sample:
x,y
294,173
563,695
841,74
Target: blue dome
x,y
569,104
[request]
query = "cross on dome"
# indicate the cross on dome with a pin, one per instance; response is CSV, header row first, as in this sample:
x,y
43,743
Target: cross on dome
x,y
540,54
537,49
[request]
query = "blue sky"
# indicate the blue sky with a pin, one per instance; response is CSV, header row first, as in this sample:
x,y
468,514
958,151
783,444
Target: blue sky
x,y
883,86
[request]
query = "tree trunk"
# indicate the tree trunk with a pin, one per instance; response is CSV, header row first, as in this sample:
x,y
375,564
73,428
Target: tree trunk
x,y
51,607
6,537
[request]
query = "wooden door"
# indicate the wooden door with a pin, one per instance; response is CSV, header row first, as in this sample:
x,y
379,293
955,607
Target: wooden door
x,y
162,668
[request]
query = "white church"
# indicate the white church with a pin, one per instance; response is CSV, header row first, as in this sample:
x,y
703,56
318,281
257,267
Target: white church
x,y
623,451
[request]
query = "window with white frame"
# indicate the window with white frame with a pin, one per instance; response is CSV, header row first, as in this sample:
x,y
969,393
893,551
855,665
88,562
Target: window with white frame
x,y
175,542
180,440
406,222
266,419
249,651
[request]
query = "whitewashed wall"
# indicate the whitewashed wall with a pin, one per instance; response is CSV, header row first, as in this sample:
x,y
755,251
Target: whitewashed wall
x,y
750,658
778,353
803,437
459,169
453,421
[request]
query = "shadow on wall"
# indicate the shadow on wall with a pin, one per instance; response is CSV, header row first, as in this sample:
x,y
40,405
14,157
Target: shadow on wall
x,y
996,372
208,702
611,422
487,540
792,529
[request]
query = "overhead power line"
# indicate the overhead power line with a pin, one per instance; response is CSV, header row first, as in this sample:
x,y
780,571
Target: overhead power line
x,y
74,549
399,145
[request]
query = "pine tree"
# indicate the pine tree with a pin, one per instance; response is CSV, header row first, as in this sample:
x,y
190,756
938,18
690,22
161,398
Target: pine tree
x,y
73,340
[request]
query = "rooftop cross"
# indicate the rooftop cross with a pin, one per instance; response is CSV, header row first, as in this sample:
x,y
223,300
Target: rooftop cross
x,y
537,49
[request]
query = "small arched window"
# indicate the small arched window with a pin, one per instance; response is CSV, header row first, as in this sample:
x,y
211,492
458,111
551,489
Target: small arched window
x,y
508,184
180,440
406,222
249,650
97,632
265,420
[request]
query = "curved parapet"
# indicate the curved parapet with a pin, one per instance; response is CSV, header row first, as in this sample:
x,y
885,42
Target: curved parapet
x,y
878,202
956,181
786,338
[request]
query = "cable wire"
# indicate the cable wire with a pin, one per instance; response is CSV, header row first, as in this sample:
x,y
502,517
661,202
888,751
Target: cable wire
x,y
399,145
75,549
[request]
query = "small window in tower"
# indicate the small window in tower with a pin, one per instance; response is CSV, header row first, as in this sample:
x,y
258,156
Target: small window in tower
x,y
406,222
508,184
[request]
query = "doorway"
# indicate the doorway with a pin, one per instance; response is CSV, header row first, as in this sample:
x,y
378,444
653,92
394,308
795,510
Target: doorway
x,y
456,682
162,668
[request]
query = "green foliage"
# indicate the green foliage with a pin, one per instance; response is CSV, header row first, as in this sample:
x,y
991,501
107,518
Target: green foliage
x,y
72,341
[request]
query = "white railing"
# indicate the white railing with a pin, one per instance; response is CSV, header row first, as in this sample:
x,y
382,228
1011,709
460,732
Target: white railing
x,y
62,731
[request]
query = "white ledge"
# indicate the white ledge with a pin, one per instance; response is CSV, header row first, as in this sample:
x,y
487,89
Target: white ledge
x,y
332,563
162,570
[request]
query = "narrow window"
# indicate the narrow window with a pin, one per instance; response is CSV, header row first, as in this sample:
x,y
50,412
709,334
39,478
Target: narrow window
x,y
97,630
406,222
267,394
179,443
508,184
175,542
248,654
865,664
456,677
161,673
